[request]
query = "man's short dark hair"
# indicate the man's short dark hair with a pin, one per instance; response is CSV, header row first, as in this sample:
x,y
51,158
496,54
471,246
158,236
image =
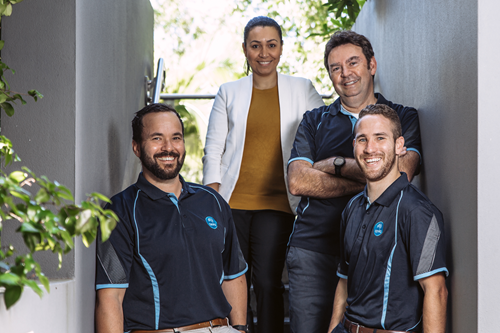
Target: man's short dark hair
x,y
349,37
137,124
386,112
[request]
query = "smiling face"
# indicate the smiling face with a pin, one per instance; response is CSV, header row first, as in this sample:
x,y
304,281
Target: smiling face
x,y
351,74
162,150
263,50
375,149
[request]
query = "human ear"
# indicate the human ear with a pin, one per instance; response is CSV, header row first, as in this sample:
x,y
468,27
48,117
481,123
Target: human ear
x,y
136,148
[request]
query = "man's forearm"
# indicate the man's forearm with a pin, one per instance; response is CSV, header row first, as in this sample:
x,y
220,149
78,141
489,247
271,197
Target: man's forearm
x,y
108,310
236,294
350,169
339,304
304,180
434,309
408,163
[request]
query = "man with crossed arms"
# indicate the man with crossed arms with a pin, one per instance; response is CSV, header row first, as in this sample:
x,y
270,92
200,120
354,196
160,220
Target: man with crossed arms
x,y
393,257
323,171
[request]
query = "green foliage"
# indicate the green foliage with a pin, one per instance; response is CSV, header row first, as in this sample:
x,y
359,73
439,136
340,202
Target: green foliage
x,y
48,216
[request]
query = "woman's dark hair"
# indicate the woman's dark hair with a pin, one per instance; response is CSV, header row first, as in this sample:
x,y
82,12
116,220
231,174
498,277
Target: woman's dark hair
x,y
260,21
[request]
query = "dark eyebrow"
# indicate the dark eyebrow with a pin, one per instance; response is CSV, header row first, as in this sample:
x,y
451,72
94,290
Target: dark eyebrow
x,y
155,134
348,60
271,40
177,133
381,134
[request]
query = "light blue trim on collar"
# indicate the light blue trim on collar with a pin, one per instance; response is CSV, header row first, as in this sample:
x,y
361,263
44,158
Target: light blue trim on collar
x,y
174,200
342,276
111,286
154,281
349,114
438,270
301,159
387,279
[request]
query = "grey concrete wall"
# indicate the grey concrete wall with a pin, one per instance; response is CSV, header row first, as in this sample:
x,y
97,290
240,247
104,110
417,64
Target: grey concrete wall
x,y
427,58
89,59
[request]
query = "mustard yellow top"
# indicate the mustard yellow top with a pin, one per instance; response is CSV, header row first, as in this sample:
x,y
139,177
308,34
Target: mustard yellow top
x,y
261,183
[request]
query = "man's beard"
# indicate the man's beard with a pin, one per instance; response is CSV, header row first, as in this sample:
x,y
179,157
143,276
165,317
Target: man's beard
x,y
152,165
381,173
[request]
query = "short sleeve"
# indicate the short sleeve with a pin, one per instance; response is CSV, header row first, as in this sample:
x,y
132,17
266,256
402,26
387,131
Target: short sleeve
x,y
114,256
304,143
411,130
234,263
426,242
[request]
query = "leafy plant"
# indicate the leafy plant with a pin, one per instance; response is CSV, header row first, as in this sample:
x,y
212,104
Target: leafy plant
x,y
48,218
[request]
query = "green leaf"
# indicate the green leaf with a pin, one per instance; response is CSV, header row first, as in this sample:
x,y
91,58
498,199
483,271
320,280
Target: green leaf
x,y
33,285
8,10
43,279
35,94
12,295
42,196
18,176
19,97
9,110
101,197
106,227
3,97
2,43
9,279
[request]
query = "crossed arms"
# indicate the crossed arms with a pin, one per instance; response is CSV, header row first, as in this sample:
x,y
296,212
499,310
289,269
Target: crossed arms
x,y
319,180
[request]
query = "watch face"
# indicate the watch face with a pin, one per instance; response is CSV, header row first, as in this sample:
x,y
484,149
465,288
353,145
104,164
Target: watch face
x,y
339,161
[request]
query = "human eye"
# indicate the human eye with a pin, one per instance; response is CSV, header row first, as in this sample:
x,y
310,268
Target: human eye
x,y
361,140
254,46
272,45
335,69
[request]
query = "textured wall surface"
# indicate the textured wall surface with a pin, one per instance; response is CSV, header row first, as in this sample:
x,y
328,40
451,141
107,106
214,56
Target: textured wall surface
x,y
89,59
427,58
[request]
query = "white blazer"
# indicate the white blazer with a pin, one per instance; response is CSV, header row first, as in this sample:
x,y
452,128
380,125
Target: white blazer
x,y
228,121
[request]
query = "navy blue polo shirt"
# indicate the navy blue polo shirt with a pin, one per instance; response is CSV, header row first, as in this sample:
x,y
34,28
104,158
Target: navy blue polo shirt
x,y
387,246
171,255
325,132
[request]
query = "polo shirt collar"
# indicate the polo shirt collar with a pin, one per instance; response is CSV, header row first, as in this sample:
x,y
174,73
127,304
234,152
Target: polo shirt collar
x,y
155,193
335,107
391,192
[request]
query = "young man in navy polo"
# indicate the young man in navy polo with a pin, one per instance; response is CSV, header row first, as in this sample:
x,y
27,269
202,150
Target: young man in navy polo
x,y
393,260
173,263
323,171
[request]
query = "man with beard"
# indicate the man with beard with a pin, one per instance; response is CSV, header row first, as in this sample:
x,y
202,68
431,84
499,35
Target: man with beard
x,y
173,263
323,171
393,250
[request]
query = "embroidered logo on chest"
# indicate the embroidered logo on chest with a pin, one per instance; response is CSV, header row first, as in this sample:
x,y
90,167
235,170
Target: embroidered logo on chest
x,y
378,229
211,222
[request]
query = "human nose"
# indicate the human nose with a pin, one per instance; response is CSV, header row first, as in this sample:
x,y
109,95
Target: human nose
x,y
370,147
345,71
167,145
264,52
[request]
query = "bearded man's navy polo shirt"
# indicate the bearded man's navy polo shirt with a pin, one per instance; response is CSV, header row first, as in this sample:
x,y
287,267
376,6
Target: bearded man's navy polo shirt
x,y
171,255
387,246
323,133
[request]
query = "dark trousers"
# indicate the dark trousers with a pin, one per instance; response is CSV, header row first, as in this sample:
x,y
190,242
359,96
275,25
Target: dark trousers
x,y
263,237
313,280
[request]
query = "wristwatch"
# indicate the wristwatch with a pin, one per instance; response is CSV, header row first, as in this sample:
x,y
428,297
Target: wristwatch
x,y
338,162
241,328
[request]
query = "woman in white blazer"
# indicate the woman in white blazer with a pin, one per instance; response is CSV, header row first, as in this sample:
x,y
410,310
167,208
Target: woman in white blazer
x,y
250,135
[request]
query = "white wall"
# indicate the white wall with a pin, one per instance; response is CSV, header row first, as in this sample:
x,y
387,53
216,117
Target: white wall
x,y
89,59
488,308
427,53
